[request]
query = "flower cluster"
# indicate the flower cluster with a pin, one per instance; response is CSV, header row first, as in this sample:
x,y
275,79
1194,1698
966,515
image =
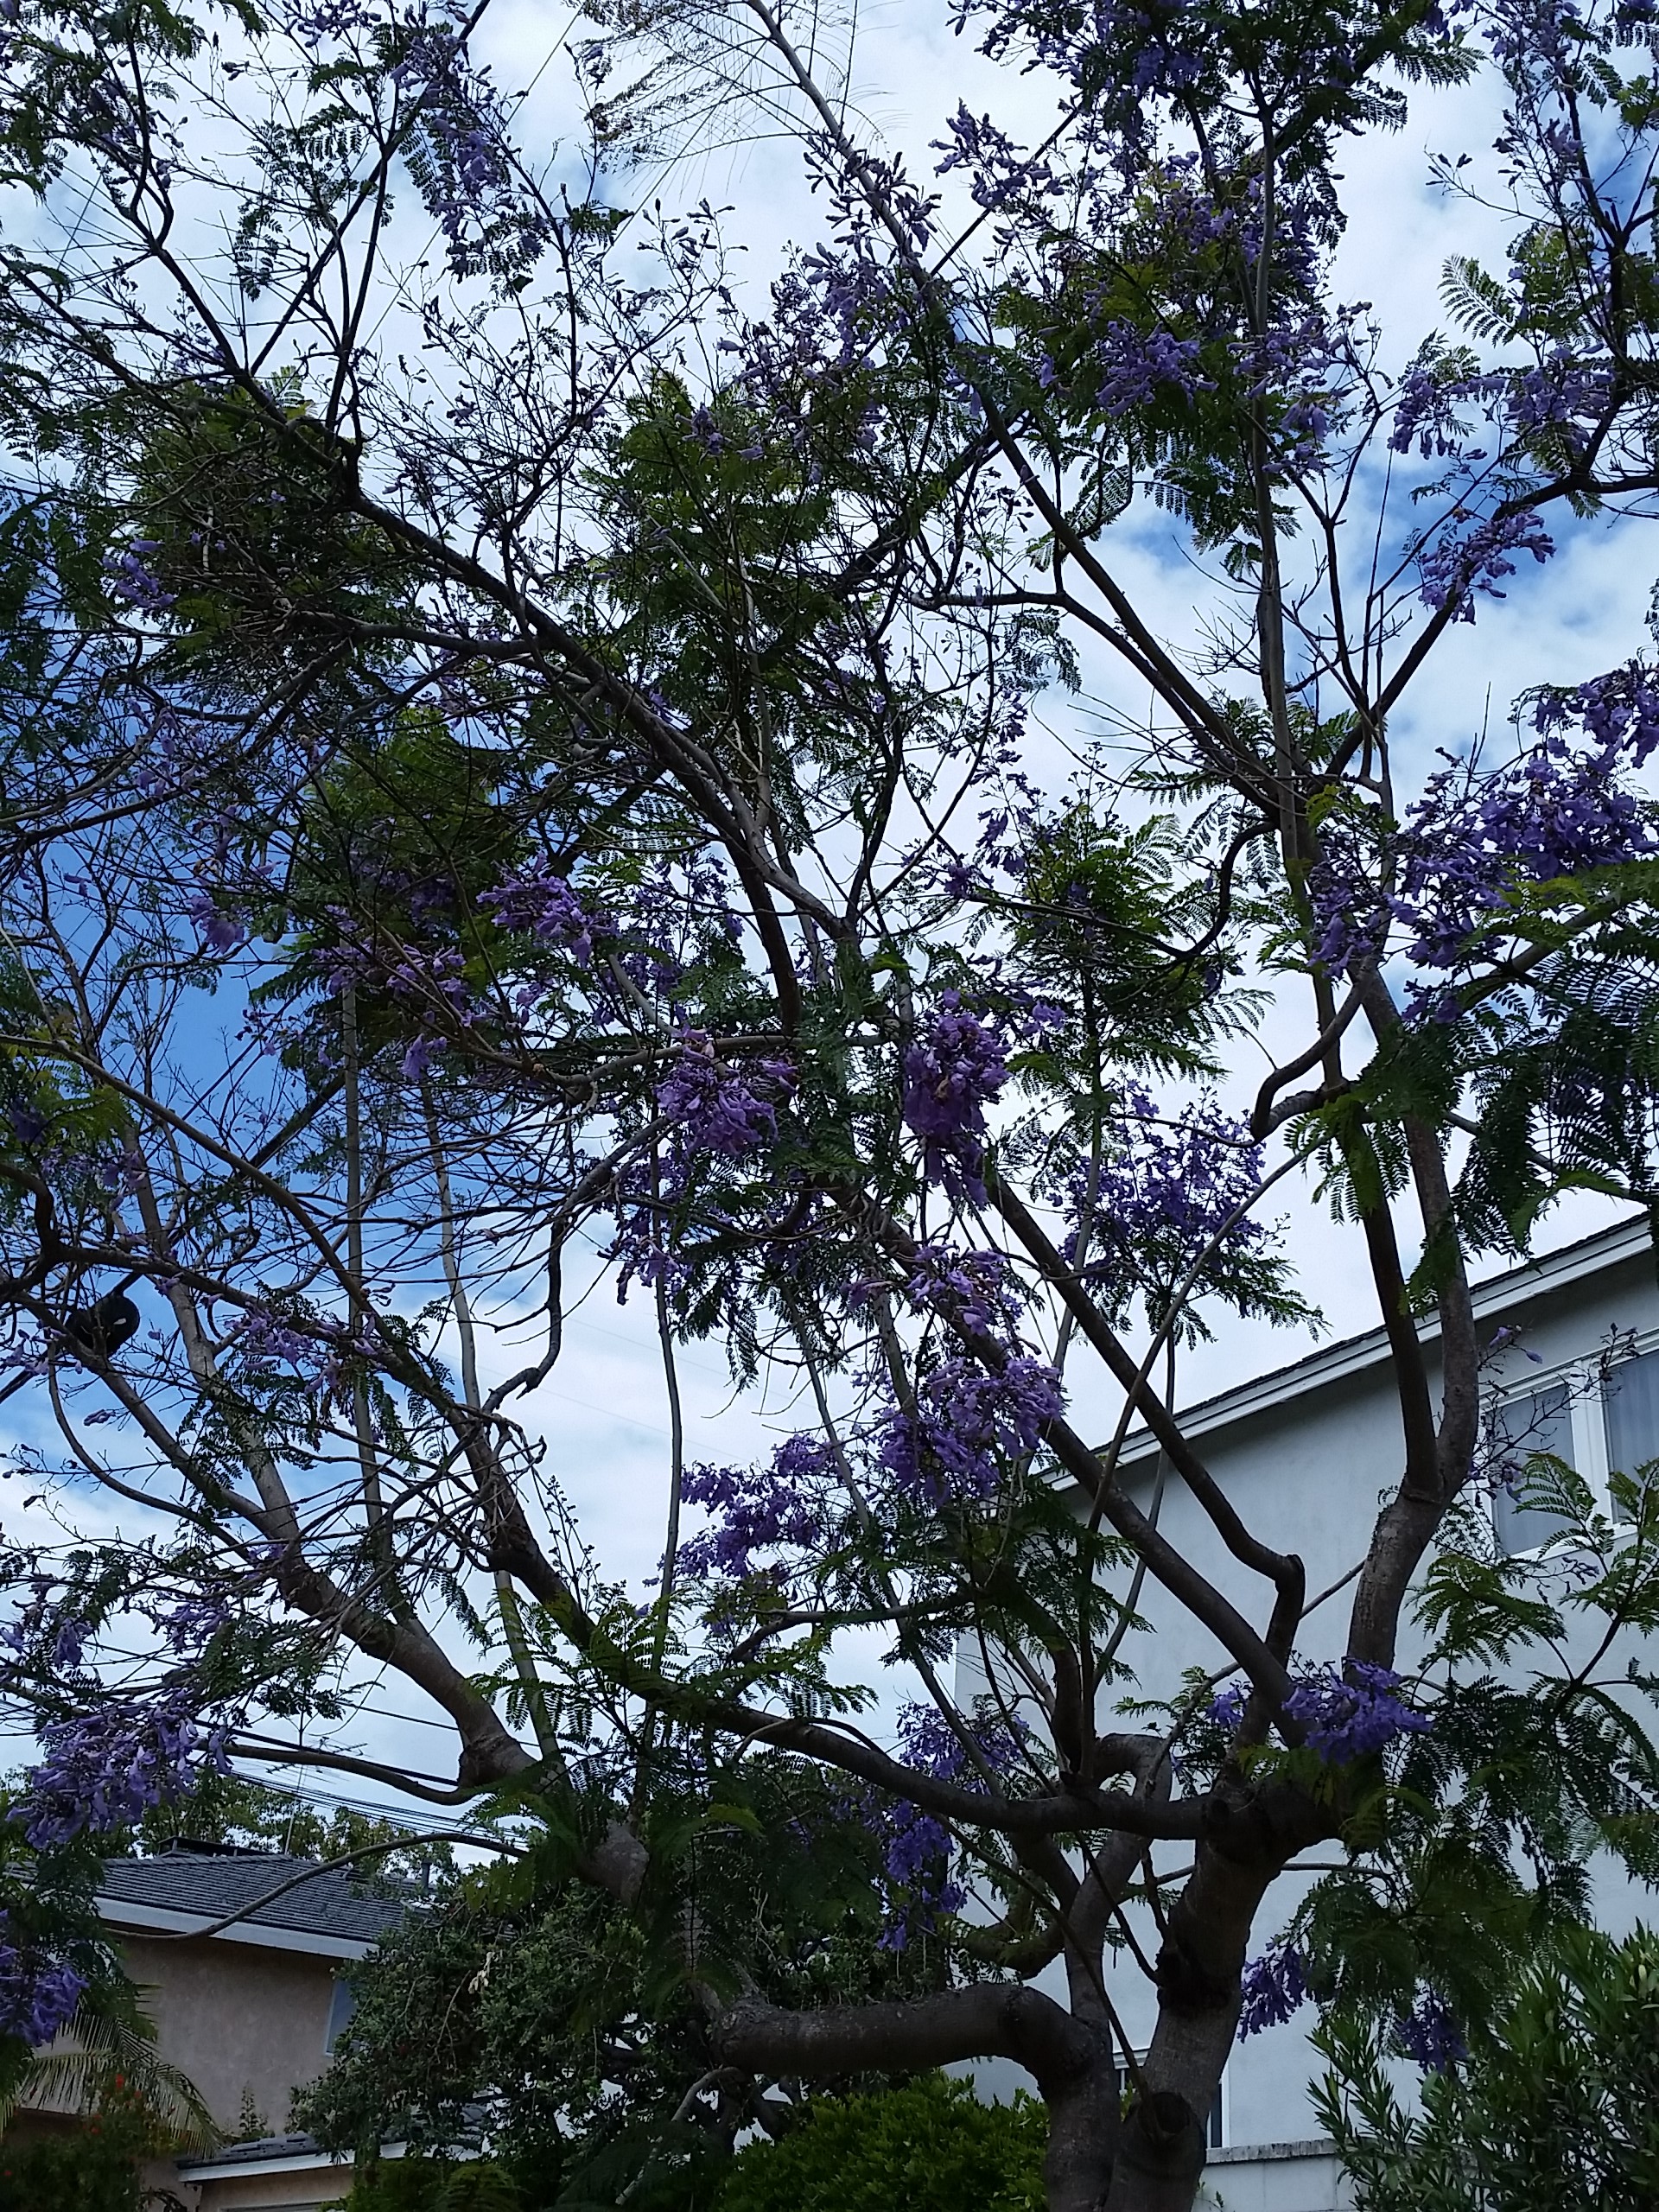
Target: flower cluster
x,y
714,1109
546,906
916,1846
998,169
1430,2035
219,931
1350,1715
1273,1986
1563,392
1472,840
1477,837
462,160
970,1285
1167,1188
1347,1713
105,1768
789,1504
1620,710
128,575
262,1338
955,1444
1463,561
1139,366
954,1071
38,1992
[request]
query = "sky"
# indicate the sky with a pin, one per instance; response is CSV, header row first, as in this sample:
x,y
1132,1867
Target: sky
x,y
1584,614
602,1412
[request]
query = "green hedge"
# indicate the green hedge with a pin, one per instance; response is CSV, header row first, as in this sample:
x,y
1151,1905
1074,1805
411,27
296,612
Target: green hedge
x,y
95,2170
433,2185
931,2147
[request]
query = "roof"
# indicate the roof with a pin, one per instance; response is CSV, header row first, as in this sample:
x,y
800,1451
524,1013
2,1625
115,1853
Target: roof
x,y
266,2154
1549,1273
184,1892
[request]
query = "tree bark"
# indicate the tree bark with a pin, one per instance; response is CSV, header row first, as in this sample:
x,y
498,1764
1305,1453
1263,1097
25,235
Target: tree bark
x,y
1071,2063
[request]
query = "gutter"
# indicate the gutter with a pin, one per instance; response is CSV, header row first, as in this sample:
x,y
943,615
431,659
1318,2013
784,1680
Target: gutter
x,y
1540,1278
166,1920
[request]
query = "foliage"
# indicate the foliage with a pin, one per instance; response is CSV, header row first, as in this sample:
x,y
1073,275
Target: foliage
x,y
930,2145
63,1986
1553,2106
418,2185
94,2168
518,767
570,2028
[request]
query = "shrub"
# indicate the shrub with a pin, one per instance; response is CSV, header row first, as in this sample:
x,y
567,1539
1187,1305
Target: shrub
x,y
1555,2108
433,2185
94,2169
931,2147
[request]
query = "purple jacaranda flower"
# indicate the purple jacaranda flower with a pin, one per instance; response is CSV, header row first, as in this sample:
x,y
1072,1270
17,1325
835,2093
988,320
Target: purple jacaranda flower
x,y
192,1622
1478,838
973,1286
547,906
714,1107
916,1846
106,1768
219,931
1428,403
39,1990
262,1338
1166,1192
1472,841
966,1428
957,1067
1469,556
128,575
998,170
1429,2034
1137,366
1274,1988
792,1503
1346,1714
1226,1706
1350,1715
460,157
1619,710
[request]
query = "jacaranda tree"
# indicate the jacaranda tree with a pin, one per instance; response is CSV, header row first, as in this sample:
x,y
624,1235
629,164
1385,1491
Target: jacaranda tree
x,y
516,748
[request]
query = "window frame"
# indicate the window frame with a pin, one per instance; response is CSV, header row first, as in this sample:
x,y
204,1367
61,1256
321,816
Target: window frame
x,y
1219,2119
1586,1383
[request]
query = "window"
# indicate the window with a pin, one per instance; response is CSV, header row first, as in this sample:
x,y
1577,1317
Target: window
x,y
1543,1422
1632,1411
1214,2131
341,2009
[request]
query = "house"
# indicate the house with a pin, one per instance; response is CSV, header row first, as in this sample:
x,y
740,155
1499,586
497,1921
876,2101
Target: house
x,y
1307,1453
238,1960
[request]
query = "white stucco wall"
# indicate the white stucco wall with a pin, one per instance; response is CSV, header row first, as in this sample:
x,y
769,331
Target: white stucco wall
x,y
1308,1457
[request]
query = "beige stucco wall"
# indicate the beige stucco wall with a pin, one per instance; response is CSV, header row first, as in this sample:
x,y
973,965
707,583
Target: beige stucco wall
x,y
293,2192
239,2020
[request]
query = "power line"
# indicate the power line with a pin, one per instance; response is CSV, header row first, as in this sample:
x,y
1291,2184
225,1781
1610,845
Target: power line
x,y
419,1819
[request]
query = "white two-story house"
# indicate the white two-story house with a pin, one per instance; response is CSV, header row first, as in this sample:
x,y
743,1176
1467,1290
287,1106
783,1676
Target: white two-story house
x,y
1308,1453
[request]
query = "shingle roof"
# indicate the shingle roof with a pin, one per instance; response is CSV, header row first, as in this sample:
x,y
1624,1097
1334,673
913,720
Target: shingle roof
x,y
260,2148
209,1885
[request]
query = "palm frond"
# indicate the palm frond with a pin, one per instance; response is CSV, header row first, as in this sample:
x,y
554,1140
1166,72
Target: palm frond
x,y
98,2057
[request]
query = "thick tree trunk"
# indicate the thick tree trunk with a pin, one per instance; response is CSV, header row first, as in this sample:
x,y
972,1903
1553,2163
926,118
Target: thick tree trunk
x,y
1161,2156
1165,2141
1085,2135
